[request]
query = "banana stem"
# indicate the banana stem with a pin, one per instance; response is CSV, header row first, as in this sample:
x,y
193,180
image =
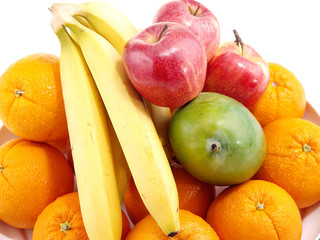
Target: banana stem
x,y
62,14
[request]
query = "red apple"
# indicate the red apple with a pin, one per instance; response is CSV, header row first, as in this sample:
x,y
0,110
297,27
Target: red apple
x,y
166,64
199,19
237,71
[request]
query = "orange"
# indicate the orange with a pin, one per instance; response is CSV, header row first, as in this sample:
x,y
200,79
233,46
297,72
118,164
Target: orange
x,y
125,226
31,101
193,227
284,97
292,159
32,175
61,219
254,210
134,205
194,195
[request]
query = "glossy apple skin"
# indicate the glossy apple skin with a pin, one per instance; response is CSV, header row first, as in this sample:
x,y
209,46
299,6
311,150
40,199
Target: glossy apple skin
x,y
242,77
169,71
204,24
216,118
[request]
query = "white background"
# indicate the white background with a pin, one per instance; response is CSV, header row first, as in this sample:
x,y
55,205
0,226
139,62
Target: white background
x,y
281,31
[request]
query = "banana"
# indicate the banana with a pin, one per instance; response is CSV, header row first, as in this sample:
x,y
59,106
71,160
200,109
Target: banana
x,y
122,170
83,21
121,167
133,125
106,20
90,142
114,26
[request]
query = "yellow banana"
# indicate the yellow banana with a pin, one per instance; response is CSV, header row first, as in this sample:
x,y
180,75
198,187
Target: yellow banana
x,y
106,20
114,26
123,173
134,127
121,167
83,21
90,143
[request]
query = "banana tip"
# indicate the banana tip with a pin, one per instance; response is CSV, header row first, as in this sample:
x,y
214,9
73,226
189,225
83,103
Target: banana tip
x,y
172,234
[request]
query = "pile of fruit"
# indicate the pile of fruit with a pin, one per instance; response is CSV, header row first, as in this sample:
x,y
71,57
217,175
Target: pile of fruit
x,y
150,122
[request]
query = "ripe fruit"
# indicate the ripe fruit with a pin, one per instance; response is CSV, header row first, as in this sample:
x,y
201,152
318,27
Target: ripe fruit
x,y
61,219
255,210
197,18
32,175
284,97
31,102
134,128
194,195
292,159
192,227
237,71
217,139
90,138
166,63
134,205
125,225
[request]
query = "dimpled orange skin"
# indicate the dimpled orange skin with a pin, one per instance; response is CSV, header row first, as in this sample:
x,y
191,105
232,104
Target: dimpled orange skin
x,y
194,195
193,227
284,97
64,209
288,163
37,113
234,213
32,176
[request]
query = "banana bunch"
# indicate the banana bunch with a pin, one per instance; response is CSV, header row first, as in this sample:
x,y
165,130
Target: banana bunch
x,y
112,133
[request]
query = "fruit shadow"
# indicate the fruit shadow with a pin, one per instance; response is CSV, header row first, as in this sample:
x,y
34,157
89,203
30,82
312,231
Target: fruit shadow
x,y
6,135
9,232
311,114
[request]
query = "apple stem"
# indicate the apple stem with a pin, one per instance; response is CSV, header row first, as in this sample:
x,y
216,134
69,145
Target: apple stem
x,y
238,41
195,13
163,29
215,146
